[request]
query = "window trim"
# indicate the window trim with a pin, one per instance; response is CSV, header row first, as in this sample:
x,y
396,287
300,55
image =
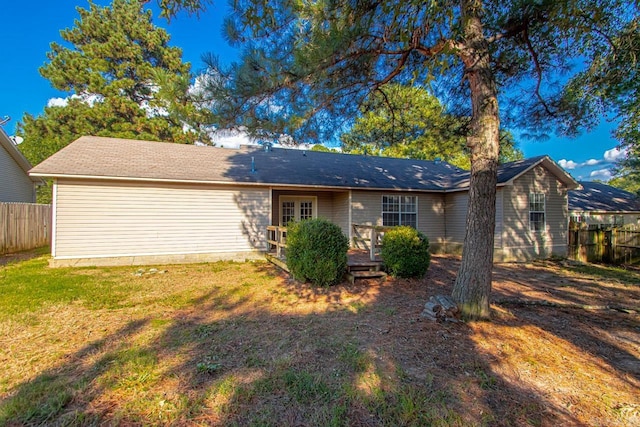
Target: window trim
x,y
400,211
532,202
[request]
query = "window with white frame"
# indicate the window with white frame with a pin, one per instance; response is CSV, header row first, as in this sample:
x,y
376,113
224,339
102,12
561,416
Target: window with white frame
x,y
536,212
400,210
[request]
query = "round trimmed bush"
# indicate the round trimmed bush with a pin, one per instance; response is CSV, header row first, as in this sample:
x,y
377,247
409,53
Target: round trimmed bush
x,y
405,252
316,251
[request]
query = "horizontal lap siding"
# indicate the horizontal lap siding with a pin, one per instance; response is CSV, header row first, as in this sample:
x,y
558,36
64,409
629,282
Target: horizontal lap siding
x,y
497,235
602,218
457,206
520,243
324,208
456,218
366,209
96,219
15,185
341,211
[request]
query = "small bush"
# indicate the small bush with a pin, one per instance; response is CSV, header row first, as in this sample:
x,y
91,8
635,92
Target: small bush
x,y
405,252
317,251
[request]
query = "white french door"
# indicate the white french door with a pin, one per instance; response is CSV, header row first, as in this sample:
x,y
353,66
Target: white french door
x,y
297,208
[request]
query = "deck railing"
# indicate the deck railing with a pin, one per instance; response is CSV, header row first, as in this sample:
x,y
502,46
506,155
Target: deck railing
x,y
369,237
277,239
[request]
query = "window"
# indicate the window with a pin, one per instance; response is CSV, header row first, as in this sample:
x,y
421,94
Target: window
x,y
288,211
400,210
536,212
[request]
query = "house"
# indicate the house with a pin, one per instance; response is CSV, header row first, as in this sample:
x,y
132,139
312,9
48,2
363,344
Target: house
x,y
602,204
122,201
15,183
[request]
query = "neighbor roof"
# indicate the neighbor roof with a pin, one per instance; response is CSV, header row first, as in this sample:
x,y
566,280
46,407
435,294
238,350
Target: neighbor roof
x,y
112,158
597,197
16,155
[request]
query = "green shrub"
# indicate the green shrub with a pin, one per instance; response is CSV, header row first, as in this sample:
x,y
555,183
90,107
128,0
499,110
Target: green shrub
x,y
316,251
405,252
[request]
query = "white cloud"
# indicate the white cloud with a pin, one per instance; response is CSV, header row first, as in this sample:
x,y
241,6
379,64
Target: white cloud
x,y
615,154
567,164
603,174
88,98
57,102
231,138
591,162
17,140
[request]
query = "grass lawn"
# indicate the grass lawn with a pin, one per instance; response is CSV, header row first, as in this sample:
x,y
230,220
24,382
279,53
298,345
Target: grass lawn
x,y
241,344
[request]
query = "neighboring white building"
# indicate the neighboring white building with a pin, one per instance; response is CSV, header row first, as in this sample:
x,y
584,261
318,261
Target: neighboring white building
x,y
15,183
602,204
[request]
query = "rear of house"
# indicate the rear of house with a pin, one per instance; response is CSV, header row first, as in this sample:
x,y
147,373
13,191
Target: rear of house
x,y
140,202
111,222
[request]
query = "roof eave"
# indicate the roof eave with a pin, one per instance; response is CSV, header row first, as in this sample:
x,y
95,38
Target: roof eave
x,y
560,173
215,182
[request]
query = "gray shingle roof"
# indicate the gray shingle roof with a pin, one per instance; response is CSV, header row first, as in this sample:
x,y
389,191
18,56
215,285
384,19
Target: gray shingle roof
x,y
101,157
597,197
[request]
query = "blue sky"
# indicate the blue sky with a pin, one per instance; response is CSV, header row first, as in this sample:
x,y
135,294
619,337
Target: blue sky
x,y
29,27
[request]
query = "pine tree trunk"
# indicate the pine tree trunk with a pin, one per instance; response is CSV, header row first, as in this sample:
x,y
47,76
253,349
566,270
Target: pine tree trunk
x,y
473,283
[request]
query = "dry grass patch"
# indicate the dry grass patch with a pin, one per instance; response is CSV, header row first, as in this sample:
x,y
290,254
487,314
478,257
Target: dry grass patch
x,y
241,344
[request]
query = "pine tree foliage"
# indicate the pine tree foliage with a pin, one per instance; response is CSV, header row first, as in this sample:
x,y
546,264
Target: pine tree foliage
x,y
123,80
309,66
408,122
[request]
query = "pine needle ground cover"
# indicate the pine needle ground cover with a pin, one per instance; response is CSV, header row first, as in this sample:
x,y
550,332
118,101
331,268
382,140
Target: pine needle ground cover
x,y
241,344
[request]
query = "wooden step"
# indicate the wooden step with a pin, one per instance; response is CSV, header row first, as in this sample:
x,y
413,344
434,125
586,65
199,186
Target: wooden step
x,y
352,276
363,268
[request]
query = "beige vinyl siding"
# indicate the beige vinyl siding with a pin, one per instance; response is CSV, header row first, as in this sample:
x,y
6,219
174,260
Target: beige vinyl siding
x,y
456,219
112,219
324,206
341,212
366,209
497,234
519,242
15,184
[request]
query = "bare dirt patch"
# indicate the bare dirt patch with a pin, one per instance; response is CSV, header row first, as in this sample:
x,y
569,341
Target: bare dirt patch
x,y
242,344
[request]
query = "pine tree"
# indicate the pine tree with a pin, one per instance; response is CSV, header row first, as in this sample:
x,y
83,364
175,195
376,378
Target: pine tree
x,y
123,80
308,66
408,122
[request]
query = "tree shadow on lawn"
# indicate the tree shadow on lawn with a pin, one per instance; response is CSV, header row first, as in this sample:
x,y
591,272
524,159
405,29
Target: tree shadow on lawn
x,y
608,334
287,353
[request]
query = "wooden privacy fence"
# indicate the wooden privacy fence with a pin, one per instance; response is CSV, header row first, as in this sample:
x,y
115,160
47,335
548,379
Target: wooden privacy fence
x,y
614,245
24,226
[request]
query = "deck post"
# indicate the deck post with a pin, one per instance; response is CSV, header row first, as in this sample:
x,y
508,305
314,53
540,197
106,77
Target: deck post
x,y
372,245
279,240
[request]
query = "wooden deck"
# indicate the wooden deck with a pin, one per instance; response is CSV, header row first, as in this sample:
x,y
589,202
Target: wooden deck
x,y
359,265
